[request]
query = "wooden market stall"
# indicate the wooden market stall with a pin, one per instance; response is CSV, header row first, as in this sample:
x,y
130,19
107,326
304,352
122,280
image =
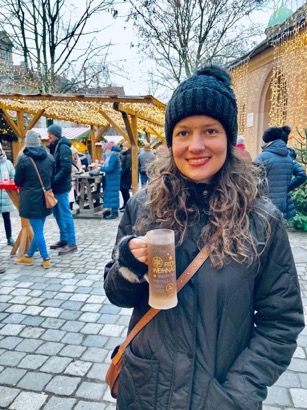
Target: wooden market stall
x,y
127,114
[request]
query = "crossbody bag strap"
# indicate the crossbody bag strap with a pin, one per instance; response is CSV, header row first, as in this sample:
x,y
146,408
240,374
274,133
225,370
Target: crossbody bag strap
x,y
38,174
183,279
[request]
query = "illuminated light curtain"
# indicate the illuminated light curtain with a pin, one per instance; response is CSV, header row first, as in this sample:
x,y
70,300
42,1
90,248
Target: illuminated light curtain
x,y
240,85
289,78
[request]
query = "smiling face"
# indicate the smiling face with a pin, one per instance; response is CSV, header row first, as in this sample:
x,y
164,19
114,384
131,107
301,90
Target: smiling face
x,y
199,146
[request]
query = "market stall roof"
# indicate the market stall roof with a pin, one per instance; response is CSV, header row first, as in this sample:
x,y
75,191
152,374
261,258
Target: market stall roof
x,y
100,111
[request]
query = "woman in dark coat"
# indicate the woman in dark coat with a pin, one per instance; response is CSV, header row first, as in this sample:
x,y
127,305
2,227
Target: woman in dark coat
x,y
235,327
126,173
31,198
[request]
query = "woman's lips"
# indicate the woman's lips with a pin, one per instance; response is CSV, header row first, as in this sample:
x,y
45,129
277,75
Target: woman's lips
x,y
197,162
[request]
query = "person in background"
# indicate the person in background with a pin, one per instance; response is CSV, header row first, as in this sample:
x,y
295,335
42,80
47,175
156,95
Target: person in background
x,y
126,173
7,172
76,168
241,148
84,160
145,158
60,149
106,151
112,171
31,198
277,164
161,150
234,329
88,156
298,178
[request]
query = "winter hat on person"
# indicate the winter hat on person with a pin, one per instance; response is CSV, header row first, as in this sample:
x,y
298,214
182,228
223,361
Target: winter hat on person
x,y
109,145
56,130
240,139
207,92
276,133
32,139
73,150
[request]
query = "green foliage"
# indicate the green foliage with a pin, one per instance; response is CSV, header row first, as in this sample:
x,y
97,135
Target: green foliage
x,y
299,196
301,147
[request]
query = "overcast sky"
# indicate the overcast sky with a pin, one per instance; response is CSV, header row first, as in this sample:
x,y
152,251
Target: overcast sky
x,y
122,35
124,52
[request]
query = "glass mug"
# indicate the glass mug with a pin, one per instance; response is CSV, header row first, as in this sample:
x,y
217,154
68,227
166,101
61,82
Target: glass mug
x,y
161,268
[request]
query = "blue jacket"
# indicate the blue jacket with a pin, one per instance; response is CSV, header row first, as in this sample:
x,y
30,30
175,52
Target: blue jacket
x,y
6,205
278,167
112,171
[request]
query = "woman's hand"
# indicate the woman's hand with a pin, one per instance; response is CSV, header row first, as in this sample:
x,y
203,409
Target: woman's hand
x,y
138,247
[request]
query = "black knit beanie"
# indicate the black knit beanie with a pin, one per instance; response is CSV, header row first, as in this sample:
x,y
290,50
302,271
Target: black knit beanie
x,y
207,92
276,133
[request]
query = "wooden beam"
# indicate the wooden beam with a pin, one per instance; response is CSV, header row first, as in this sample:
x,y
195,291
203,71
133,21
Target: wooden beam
x,y
114,125
10,122
21,123
93,146
154,132
147,99
101,131
120,107
35,119
131,128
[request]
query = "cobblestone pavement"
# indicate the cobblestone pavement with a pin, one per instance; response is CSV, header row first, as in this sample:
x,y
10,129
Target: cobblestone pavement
x,y
57,329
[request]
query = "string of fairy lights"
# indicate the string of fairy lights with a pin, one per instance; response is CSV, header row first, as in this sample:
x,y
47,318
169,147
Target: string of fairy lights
x,y
89,112
288,77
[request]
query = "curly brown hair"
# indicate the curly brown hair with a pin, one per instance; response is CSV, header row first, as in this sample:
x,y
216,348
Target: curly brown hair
x,y
235,190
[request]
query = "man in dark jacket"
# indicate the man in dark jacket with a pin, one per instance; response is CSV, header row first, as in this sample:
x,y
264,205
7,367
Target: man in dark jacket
x,y
145,158
278,165
60,149
126,176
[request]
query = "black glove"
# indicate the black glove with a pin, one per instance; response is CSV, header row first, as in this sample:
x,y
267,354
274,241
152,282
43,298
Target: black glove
x,y
128,260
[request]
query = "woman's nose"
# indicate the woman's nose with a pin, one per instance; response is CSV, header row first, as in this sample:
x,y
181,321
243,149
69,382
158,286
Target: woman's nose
x,y
197,142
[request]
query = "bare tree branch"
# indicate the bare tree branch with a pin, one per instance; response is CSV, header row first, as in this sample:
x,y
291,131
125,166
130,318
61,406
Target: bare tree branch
x,y
47,34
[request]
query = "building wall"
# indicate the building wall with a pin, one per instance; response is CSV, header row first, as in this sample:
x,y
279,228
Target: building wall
x,y
271,90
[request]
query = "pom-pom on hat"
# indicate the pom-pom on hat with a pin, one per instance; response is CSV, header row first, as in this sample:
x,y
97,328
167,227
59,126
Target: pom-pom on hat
x,y
240,139
56,130
276,133
32,139
207,92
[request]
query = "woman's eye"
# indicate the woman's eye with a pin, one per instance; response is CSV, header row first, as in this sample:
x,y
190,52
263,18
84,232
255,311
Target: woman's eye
x,y
182,133
211,131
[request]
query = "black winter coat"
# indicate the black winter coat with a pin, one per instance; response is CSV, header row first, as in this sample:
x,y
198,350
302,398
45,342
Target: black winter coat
x,y
61,152
126,175
232,333
31,196
279,168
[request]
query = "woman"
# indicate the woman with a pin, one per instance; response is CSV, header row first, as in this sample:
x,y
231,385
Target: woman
x,y
234,329
31,199
7,172
126,174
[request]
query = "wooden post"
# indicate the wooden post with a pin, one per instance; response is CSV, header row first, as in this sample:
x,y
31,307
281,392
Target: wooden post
x,y
134,156
93,146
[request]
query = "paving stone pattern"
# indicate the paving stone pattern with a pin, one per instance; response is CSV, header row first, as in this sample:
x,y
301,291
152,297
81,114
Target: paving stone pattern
x,y
57,328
